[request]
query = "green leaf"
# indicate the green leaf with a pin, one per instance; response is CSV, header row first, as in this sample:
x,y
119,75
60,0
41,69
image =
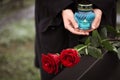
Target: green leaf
x,y
96,34
94,42
95,52
111,30
87,41
107,45
118,53
116,50
95,39
116,43
82,52
103,33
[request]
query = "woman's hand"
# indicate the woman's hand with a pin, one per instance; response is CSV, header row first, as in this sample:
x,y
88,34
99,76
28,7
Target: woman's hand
x,y
97,20
70,23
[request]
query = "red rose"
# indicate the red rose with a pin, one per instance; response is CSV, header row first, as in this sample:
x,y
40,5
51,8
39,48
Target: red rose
x,y
50,63
69,57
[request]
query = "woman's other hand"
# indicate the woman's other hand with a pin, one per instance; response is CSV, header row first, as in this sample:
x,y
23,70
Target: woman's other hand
x,y
97,20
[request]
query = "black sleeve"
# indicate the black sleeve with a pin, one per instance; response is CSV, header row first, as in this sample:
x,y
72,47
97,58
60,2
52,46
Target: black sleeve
x,y
105,5
108,8
49,8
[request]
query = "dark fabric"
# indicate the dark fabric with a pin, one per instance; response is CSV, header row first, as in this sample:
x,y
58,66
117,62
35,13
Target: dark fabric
x,y
109,11
104,69
46,76
50,33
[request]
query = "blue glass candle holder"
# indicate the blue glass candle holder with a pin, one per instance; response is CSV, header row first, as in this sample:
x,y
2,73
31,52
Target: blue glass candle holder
x,y
84,16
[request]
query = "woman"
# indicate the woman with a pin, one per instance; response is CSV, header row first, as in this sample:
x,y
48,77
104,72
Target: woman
x,y
56,28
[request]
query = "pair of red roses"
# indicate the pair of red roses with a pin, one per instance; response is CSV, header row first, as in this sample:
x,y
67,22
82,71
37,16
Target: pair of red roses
x,y
68,58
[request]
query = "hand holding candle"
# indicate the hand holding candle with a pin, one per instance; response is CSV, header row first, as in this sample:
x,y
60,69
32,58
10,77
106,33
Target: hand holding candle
x,y
84,16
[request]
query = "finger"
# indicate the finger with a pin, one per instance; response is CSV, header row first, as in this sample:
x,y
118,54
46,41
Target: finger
x,y
76,31
66,22
68,25
95,23
73,22
83,32
97,20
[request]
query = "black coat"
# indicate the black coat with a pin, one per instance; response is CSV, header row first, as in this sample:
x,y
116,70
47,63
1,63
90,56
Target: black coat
x,y
51,36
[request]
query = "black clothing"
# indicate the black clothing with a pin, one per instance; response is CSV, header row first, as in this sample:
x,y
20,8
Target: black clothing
x,y
50,32
51,36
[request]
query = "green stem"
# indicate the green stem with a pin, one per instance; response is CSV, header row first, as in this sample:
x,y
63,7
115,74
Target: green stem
x,y
85,46
81,48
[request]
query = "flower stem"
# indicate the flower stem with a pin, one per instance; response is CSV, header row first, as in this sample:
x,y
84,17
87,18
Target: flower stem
x,y
83,47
